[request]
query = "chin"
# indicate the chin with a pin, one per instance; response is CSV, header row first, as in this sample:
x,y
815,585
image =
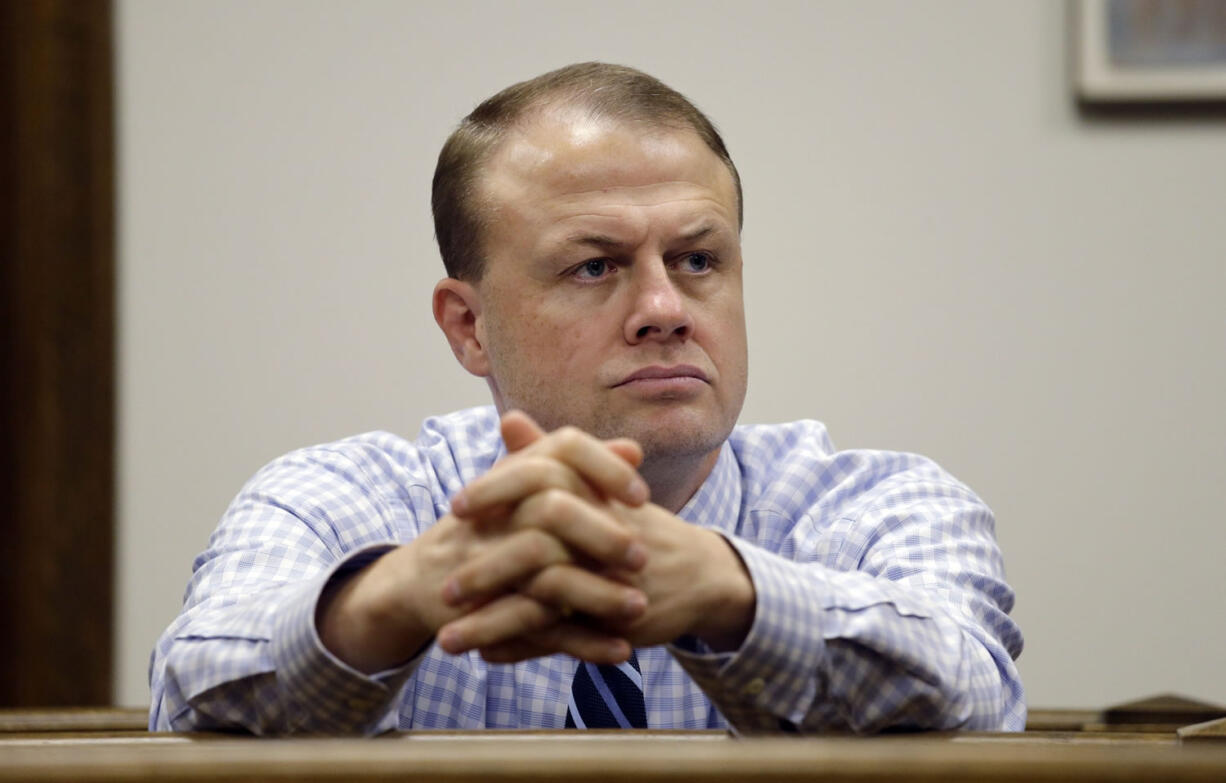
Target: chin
x,y
667,432
682,442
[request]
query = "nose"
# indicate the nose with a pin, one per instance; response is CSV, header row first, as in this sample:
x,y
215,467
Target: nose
x,y
660,311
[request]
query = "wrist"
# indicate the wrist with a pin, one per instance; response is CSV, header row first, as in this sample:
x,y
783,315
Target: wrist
x,y
365,621
733,600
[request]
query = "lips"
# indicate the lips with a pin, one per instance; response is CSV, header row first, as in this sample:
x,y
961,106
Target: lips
x,y
656,372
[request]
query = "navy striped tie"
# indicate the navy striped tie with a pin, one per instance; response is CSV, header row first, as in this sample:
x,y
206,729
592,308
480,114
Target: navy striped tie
x,y
607,697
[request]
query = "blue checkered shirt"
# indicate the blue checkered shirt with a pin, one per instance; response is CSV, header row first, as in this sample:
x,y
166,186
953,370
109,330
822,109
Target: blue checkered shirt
x,y
880,587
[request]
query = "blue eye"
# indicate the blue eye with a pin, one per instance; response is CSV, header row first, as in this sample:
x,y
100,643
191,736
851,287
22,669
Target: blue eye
x,y
597,267
698,262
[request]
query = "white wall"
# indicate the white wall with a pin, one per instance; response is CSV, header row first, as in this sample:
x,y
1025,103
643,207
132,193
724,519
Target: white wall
x,y
941,257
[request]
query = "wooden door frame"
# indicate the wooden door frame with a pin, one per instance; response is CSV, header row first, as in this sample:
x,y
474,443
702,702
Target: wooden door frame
x,y
57,352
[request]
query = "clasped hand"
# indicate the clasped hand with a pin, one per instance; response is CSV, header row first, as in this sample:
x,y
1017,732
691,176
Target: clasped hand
x,y
555,549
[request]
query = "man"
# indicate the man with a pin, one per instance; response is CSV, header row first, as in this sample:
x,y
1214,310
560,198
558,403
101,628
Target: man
x,y
605,510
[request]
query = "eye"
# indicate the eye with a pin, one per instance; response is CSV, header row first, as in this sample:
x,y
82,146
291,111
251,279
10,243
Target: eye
x,y
696,262
594,269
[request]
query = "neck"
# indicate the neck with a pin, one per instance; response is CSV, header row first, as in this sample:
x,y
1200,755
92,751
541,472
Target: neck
x,y
674,480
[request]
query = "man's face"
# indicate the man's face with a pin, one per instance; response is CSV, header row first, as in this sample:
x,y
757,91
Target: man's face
x,y
612,298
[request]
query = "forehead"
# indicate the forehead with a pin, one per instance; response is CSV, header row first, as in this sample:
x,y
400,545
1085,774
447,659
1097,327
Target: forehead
x,y
568,160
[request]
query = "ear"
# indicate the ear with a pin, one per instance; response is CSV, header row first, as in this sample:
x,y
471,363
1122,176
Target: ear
x,y
457,310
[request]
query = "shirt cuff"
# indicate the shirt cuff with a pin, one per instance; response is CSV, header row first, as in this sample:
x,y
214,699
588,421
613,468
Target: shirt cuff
x,y
323,694
772,681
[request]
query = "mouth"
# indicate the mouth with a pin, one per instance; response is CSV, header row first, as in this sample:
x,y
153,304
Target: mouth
x,y
655,375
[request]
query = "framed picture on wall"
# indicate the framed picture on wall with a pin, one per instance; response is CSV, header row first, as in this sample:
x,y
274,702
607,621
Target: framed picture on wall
x,y
1150,50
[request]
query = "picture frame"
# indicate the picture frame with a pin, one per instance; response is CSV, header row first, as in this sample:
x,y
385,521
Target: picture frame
x,y
1150,51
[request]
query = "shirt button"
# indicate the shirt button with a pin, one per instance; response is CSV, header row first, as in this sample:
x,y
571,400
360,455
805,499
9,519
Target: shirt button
x,y
754,686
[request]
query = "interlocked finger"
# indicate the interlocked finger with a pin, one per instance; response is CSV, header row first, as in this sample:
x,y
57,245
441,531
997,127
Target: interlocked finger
x,y
600,466
595,463
582,642
586,528
517,477
571,590
498,621
500,568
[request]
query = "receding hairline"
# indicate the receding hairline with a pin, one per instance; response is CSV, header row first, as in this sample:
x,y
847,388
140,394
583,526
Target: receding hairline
x,y
613,93
565,105
559,113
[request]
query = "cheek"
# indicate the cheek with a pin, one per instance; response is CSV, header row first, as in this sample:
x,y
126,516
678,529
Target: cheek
x,y
553,343
545,336
574,347
726,324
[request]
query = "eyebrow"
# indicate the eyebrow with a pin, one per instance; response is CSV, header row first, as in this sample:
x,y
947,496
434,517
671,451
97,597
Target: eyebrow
x,y
600,240
698,233
606,241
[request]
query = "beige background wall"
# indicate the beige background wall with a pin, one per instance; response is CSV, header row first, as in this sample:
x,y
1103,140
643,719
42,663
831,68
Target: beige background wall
x,y
942,256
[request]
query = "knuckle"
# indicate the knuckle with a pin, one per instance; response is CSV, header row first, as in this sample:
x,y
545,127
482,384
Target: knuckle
x,y
542,548
538,469
549,474
464,577
570,439
535,546
548,584
532,615
555,504
619,541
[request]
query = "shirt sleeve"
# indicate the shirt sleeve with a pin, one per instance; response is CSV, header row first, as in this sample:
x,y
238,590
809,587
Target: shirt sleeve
x,y
244,654
901,624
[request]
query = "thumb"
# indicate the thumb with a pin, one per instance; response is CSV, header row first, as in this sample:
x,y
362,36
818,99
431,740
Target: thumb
x,y
519,430
629,450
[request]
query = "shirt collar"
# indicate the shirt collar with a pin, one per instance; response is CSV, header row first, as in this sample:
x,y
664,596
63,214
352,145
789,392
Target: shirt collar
x,y
717,503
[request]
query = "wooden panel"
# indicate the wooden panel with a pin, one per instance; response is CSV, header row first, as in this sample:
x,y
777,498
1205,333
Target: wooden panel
x,y
57,336
74,719
1061,719
620,756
